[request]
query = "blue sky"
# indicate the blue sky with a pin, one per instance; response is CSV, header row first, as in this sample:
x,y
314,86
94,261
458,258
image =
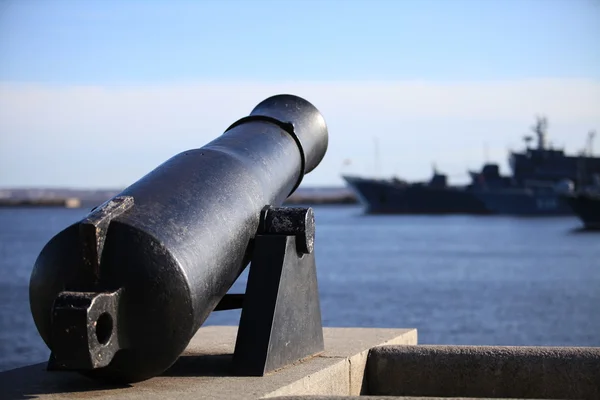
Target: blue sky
x,y
434,81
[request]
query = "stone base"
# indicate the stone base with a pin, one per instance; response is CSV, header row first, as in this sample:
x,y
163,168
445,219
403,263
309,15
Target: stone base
x,y
357,362
202,372
485,372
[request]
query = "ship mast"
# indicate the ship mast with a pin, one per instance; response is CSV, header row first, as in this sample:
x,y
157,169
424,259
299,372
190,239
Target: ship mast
x,y
590,144
540,128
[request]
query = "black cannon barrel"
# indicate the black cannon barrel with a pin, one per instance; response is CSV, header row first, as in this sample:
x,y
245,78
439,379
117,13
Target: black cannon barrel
x,y
120,294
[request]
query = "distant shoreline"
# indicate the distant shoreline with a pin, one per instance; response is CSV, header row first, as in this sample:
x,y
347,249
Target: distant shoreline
x,y
75,202
70,202
320,200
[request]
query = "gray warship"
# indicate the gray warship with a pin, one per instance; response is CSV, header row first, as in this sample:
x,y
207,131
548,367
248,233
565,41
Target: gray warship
x,y
540,177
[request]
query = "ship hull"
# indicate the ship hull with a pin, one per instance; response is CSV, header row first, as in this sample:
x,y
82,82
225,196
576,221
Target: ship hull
x,y
385,197
587,208
522,202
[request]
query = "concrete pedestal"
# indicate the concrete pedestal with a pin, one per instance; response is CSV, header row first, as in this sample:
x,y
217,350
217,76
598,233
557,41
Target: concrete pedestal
x,y
375,362
202,372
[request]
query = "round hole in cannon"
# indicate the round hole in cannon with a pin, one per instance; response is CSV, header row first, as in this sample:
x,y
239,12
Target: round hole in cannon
x,y
104,328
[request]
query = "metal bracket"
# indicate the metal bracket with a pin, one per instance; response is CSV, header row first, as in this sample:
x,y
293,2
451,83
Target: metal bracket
x,y
84,331
281,314
93,230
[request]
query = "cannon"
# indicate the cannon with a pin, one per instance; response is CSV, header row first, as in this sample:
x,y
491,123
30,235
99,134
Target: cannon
x,y
118,295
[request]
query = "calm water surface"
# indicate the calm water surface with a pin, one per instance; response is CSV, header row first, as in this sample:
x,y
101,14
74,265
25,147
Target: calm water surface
x,y
458,279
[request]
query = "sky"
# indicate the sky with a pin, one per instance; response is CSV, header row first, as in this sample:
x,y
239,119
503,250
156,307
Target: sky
x,y
95,94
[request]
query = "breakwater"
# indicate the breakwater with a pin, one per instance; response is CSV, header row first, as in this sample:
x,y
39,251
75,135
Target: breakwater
x,y
71,202
71,198
322,199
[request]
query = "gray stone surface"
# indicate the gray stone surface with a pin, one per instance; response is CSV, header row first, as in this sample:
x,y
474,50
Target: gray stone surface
x,y
485,371
358,362
202,372
381,398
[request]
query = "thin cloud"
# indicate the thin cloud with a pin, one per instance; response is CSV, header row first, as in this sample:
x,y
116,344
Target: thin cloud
x,y
417,122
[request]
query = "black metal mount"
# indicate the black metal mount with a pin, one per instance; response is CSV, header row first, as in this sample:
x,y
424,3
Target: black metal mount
x,y
280,322
281,314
